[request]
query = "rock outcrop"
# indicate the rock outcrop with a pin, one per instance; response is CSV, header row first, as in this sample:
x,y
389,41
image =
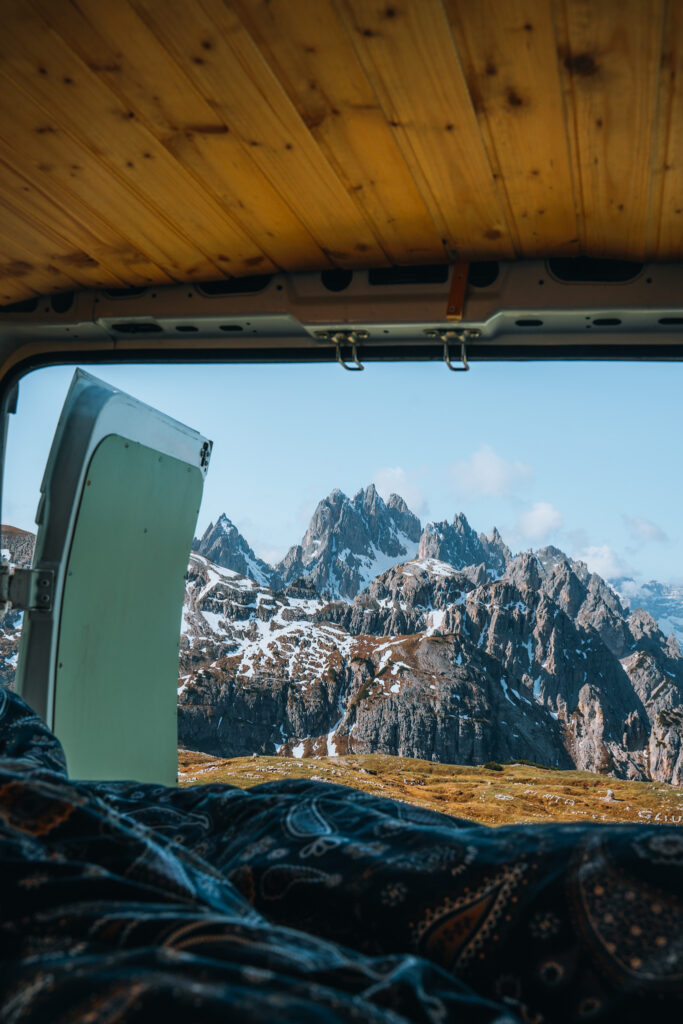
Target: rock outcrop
x,y
458,544
351,540
223,544
375,636
18,544
430,661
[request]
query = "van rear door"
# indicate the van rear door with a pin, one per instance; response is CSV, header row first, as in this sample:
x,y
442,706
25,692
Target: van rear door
x,y
99,648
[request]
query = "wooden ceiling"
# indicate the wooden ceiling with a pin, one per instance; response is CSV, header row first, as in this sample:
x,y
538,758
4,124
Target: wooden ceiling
x,y
158,141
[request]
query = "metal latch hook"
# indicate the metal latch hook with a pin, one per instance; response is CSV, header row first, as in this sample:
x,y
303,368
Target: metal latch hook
x,y
463,358
340,339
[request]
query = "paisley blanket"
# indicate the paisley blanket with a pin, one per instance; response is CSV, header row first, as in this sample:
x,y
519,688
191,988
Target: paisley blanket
x,y
301,901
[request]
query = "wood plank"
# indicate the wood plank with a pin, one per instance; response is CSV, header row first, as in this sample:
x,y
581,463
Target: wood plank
x,y
24,273
73,97
608,59
79,227
78,268
55,161
666,211
119,47
410,59
215,51
509,58
311,54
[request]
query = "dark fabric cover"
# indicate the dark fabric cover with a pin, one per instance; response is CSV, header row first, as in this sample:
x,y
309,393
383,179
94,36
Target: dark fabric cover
x,y
304,902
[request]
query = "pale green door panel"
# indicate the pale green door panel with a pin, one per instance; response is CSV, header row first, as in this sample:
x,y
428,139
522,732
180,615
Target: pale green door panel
x,y
117,657
119,504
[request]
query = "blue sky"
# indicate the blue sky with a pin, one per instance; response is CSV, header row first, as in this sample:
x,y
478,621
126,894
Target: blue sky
x,y
584,456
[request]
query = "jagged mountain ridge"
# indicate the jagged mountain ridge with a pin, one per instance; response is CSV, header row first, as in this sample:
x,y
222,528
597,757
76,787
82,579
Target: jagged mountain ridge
x,y
223,544
350,541
528,657
434,662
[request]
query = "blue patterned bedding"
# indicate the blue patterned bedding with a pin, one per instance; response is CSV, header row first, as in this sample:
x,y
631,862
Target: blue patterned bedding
x,y
300,901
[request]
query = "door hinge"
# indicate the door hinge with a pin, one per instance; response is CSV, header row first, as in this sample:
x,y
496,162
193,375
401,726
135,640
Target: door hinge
x,y
26,589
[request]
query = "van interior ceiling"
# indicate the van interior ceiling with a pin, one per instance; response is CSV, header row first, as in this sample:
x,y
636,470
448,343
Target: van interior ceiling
x,y
351,182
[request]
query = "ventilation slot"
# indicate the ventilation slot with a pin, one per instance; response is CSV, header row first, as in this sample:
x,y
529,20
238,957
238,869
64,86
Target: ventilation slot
x,y
529,323
235,285
186,329
229,327
607,321
124,293
432,274
483,274
671,321
137,328
586,271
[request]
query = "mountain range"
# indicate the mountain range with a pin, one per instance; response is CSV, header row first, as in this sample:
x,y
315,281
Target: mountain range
x,y
376,635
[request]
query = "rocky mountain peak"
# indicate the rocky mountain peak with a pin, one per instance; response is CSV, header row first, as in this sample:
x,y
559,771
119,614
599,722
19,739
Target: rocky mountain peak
x,y
396,502
497,552
223,544
524,571
350,540
458,544
641,625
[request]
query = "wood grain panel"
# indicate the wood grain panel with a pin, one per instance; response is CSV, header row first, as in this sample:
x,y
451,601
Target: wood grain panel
x,y
79,227
120,48
24,271
313,58
216,52
409,57
58,163
148,141
80,102
509,57
76,266
666,208
610,68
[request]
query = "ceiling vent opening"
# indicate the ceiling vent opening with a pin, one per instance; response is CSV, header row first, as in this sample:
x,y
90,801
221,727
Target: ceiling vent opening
x,y
63,302
235,285
590,271
124,293
436,273
336,280
137,328
483,274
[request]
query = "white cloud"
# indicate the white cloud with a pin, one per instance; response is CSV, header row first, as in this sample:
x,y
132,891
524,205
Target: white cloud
x,y
394,480
486,473
539,521
644,530
603,560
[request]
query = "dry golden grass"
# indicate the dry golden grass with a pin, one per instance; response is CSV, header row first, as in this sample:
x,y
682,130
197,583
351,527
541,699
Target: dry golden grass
x,y
518,793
